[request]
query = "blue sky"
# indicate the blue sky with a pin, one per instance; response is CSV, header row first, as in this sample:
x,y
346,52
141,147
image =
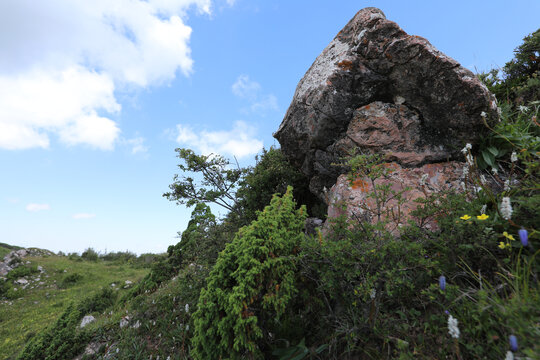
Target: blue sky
x,y
94,98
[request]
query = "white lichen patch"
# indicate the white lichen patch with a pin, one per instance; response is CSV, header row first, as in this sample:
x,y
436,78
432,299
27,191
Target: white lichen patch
x,y
324,66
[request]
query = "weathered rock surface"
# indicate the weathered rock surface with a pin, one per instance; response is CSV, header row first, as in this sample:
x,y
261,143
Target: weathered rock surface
x,y
378,89
353,201
87,320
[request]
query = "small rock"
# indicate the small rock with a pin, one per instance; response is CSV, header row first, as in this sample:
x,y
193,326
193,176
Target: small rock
x,y
124,322
40,269
87,320
21,281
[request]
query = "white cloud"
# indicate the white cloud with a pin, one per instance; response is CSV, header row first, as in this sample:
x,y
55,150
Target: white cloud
x,y
240,141
63,61
137,145
243,87
250,90
231,2
37,207
83,216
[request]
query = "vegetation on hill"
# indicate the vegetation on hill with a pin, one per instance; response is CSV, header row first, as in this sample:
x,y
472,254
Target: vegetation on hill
x,y
253,286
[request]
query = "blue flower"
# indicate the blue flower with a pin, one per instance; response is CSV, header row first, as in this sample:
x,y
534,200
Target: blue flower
x,y
442,282
524,236
513,343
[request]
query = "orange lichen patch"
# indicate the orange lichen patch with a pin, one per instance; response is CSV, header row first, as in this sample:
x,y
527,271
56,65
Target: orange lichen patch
x,y
360,184
345,65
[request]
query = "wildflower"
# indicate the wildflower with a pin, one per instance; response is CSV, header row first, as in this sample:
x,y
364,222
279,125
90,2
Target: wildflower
x,y
187,308
482,179
524,237
423,179
466,170
466,149
442,282
513,157
523,109
483,209
507,185
482,217
509,355
508,236
506,208
483,114
465,217
513,343
470,159
462,184
502,245
372,293
453,329
494,171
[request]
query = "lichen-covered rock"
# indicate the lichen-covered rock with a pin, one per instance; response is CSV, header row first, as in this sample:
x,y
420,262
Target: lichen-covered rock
x,y
376,88
352,200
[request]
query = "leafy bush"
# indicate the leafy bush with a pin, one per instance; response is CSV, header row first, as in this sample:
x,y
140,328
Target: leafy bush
x,y
90,255
22,271
70,280
251,285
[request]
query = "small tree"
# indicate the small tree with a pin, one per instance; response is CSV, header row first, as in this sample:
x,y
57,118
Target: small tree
x,y
251,285
218,185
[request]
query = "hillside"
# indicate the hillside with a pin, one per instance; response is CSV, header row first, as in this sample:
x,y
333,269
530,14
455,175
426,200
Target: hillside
x,y
41,289
399,220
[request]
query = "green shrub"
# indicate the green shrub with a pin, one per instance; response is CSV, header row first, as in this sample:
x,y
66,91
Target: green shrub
x,y
22,271
251,285
70,280
90,255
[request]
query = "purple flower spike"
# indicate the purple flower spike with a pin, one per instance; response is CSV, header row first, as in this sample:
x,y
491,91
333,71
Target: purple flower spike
x,y
442,282
513,343
524,237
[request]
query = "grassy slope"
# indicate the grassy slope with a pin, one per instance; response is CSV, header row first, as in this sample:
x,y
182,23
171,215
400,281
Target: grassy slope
x,y
6,249
41,304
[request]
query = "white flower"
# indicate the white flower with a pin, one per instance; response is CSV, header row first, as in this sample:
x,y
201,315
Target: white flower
x,y
482,179
466,148
466,170
187,308
483,210
506,208
423,179
483,114
523,109
470,159
513,157
462,184
373,293
453,329
509,355
494,171
506,185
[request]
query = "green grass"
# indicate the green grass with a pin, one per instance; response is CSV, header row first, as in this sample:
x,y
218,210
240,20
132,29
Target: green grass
x,y
64,281
6,249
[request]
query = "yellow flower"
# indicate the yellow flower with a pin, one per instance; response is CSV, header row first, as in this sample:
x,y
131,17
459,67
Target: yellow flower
x,y
508,236
502,245
482,217
465,217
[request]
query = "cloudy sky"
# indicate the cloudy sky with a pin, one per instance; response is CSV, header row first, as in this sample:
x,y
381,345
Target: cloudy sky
x,y
96,95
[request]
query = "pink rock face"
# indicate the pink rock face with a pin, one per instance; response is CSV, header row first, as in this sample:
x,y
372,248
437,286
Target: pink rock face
x,y
354,201
391,129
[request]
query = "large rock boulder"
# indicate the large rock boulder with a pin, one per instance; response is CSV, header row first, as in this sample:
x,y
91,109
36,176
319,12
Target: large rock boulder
x,y
377,89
